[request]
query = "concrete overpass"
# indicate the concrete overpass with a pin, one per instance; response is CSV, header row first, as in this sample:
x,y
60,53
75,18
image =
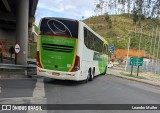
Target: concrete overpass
x,y
16,17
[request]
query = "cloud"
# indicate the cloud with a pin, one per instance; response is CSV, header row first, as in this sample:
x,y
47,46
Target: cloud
x,y
65,8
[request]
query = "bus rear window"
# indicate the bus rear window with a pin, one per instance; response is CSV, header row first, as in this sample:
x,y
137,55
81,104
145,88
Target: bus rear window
x,y
60,27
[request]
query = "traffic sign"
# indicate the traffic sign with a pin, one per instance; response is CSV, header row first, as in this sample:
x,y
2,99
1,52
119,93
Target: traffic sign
x,y
136,61
17,48
1,46
112,48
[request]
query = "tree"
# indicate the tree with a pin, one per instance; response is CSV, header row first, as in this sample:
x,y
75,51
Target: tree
x,y
140,8
108,20
128,6
134,15
99,6
139,4
156,9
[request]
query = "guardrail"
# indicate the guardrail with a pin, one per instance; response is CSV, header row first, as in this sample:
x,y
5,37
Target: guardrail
x,y
17,67
12,66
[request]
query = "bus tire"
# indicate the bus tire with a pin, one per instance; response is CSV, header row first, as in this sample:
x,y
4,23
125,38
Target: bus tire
x,y
91,74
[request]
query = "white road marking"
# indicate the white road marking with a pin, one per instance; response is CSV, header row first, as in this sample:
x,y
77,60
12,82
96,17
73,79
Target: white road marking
x,y
38,95
39,89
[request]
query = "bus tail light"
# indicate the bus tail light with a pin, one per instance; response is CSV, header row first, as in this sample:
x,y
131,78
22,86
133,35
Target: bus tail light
x,y
76,64
38,60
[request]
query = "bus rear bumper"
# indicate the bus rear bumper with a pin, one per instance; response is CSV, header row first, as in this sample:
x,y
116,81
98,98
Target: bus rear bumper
x,y
58,74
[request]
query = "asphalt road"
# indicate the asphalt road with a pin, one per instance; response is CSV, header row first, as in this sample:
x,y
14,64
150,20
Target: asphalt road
x,y
103,90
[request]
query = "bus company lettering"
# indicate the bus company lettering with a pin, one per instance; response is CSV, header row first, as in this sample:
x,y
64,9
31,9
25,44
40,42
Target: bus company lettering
x,y
57,57
52,58
58,41
47,61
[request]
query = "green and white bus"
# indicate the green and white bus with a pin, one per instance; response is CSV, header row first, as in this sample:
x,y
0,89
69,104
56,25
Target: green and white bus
x,y
70,50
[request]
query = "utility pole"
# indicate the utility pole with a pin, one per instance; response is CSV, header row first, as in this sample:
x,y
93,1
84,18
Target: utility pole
x,y
140,42
151,47
149,50
154,46
157,53
144,66
139,49
128,52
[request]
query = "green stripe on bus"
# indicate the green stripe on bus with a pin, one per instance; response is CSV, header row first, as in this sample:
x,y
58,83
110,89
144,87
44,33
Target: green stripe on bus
x,y
102,61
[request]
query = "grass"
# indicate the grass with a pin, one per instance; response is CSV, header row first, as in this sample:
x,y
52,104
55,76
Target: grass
x,y
133,75
33,49
153,74
121,26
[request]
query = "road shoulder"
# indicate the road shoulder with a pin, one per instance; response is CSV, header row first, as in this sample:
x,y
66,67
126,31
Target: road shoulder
x,y
145,79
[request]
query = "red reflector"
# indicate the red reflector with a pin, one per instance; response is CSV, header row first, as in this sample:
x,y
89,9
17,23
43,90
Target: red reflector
x,y
56,74
41,70
71,74
76,21
38,60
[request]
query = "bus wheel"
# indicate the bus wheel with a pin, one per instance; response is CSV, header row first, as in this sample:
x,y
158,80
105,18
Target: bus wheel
x,y
87,79
91,74
104,71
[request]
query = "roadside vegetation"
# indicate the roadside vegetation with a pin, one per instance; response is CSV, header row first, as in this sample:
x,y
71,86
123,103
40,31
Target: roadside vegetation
x,y
32,50
117,29
134,75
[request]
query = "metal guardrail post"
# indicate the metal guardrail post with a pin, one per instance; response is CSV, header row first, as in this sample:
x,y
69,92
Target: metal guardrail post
x,y
26,72
1,57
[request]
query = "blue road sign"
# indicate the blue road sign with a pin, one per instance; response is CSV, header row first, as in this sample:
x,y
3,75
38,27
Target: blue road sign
x,y
112,49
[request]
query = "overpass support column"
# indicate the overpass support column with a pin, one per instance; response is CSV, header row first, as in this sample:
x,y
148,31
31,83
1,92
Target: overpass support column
x,y
22,30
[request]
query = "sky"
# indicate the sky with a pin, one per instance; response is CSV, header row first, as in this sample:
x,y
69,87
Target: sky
x,y
73,9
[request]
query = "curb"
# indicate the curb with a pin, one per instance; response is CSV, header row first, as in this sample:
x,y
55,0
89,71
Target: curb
x,y
138,80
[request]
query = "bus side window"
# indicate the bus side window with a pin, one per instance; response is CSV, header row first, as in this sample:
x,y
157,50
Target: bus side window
x,y
105,49
85,37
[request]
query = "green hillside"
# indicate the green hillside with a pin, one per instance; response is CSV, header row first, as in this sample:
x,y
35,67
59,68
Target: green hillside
x,y
122,26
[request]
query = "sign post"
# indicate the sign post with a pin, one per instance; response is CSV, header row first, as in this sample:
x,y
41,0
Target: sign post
x,y
131,69
17,50
137,71
139,63
136,62
1,51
